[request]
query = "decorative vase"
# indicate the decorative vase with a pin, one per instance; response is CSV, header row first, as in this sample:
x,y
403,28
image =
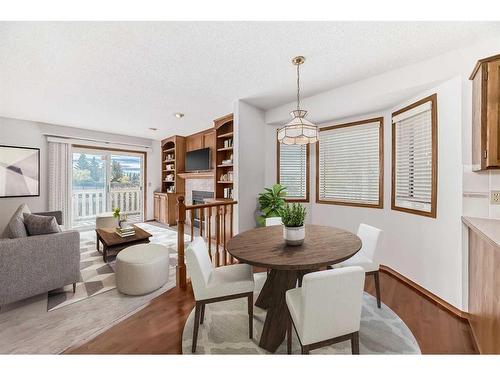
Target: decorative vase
x,y
294,236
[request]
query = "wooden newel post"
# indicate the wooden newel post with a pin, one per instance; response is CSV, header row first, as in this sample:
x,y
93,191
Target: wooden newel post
x,y
181,265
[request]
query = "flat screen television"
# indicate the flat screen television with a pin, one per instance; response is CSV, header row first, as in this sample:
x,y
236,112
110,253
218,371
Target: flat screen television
x,y
198,160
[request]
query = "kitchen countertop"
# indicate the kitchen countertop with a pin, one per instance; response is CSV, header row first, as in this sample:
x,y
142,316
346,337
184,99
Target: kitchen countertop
x,y
489,229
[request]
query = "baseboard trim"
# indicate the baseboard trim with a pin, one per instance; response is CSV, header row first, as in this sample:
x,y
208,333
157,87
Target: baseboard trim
x,y
424,292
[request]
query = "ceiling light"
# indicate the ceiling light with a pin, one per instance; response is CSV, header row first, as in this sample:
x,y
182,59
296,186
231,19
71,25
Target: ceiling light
x,y
298,131
179,115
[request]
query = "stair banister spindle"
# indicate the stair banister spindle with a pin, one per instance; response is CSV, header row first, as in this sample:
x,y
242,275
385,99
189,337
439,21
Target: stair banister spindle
x,y
181,265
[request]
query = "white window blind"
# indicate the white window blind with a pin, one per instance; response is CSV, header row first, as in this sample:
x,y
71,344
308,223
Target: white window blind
x,y
293,170
413,152
349,164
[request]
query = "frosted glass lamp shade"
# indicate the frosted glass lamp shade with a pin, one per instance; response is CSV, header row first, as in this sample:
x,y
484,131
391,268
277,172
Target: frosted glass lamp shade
x,y
299,131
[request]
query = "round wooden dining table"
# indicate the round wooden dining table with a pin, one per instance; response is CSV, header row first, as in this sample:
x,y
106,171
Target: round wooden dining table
x,y
265,247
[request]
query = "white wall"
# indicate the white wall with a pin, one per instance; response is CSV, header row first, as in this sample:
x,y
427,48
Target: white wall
x,y
427,251
16,132
383,91
250,161
431,252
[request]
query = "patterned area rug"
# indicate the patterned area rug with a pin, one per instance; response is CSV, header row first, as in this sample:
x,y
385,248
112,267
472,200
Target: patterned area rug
x,y
99,277
225,331
26,327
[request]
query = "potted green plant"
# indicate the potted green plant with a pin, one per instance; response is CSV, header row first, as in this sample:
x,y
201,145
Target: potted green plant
x,y
271,201
292,216
122,219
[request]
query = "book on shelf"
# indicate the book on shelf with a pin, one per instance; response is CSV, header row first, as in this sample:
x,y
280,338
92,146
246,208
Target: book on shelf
x,y
228,193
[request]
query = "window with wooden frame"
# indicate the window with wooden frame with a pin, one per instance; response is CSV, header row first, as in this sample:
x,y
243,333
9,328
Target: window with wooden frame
x,y
350,164
414,158
293,171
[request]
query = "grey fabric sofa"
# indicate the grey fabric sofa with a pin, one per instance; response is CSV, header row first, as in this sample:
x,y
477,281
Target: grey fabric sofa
x,y
38,264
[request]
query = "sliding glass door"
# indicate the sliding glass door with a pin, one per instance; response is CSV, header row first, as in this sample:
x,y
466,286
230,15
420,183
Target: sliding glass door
x,y
104,180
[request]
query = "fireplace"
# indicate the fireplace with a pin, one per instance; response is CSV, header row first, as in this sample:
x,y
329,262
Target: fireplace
x,y
199,198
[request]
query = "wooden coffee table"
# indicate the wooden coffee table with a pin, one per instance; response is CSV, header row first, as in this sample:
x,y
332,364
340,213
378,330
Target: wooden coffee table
x,y
112,242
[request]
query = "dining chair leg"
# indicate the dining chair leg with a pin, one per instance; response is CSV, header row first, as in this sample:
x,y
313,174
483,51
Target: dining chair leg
x,y
377,287
300,277
250,315
202,314
305,349
355,343
289,335
74,288
197,312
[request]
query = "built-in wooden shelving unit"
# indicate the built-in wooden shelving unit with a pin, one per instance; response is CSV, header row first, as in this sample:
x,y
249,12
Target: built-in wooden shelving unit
x,y
223,169
172,163
219,139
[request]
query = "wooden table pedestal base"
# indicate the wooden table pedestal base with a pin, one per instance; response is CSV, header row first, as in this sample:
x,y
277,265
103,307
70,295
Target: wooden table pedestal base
x,y
272,298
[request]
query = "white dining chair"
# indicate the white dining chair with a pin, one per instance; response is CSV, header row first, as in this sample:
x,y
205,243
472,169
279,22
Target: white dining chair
x,y
270,221
366,257
326,309
212,284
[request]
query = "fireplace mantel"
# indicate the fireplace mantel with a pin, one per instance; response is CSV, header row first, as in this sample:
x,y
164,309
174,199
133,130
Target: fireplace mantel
x,y
192,175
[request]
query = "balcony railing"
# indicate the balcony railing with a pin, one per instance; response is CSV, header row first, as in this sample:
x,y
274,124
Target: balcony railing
x,y
87,203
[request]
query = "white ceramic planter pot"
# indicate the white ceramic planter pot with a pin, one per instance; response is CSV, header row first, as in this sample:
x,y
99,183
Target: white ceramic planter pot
x,y
294,236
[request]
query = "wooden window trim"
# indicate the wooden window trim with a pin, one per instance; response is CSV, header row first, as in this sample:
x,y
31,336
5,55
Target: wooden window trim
x,y
380,203
434,161
308,172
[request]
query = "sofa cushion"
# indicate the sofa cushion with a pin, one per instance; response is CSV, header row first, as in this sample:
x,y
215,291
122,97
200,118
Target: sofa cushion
x,y
38,224
16,228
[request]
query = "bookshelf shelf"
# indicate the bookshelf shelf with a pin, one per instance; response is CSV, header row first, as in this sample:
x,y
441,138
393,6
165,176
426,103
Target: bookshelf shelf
x,y
226,135
224,144
174,150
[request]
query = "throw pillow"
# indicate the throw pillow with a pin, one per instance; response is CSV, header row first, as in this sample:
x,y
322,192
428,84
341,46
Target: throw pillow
x,y
16,228
38,224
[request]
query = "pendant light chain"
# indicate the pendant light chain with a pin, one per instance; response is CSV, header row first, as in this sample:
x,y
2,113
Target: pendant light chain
x,y
298,87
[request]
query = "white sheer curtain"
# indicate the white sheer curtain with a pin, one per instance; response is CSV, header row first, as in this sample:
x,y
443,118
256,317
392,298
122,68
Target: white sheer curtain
x,y
60,179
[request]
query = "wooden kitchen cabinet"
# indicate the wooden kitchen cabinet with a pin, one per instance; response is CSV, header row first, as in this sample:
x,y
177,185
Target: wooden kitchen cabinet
x,y
156,207
486,114
165,208
194,142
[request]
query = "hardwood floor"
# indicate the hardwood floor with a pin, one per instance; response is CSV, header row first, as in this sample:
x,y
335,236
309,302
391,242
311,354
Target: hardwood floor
x,y
158,327
437,331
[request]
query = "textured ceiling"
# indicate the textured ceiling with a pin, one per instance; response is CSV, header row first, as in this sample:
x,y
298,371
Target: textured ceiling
x,y
126,77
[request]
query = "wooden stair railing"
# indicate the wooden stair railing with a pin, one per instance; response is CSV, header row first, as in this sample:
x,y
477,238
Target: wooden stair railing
x,y
222,214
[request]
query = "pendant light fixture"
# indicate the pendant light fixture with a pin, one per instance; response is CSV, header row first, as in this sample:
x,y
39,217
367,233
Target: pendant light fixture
x,y
298,131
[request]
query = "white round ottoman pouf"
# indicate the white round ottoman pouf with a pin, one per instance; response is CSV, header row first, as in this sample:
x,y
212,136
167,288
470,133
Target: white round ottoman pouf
x,y
141,269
